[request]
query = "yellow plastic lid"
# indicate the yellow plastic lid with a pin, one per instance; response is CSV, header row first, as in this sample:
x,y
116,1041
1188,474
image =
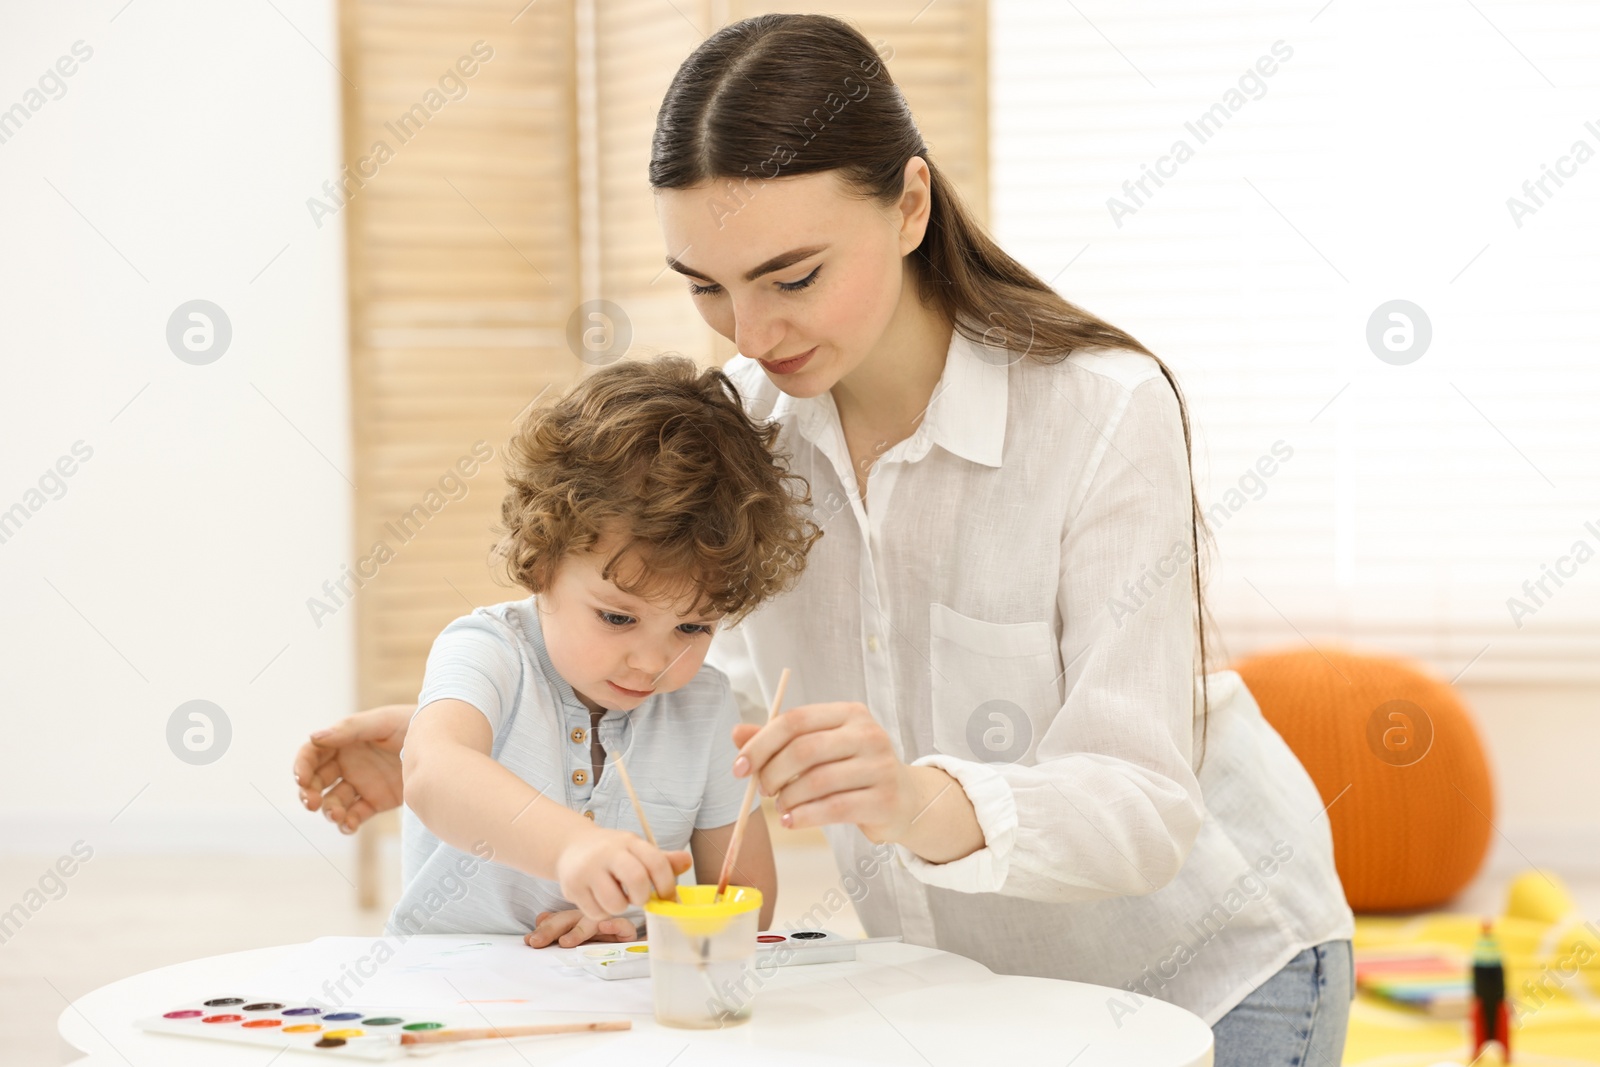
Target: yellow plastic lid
x,y
694,911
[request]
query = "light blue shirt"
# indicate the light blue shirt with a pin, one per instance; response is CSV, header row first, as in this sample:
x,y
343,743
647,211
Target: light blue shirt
x,y
677,747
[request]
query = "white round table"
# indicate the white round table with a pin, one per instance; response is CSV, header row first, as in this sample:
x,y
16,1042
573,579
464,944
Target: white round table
x,y
895,1004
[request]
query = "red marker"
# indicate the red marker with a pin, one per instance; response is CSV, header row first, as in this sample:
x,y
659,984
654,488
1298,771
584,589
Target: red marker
x,y
1490,1017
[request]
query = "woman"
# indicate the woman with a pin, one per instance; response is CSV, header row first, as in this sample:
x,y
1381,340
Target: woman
x,y
993,709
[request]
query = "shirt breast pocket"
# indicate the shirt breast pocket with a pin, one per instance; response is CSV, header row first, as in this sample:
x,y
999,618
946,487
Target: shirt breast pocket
x,y
671,807
995,686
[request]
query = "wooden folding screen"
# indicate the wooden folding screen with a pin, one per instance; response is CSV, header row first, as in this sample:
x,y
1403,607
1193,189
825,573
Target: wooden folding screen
x,y
496,179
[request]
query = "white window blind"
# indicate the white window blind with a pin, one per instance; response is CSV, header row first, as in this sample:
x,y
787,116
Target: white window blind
x,y
1375,162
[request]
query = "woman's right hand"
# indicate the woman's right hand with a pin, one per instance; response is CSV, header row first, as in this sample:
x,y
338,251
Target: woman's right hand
x,y
351,770
605,871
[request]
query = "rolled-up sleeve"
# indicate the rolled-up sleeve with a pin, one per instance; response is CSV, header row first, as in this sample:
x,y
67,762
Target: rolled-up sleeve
x,y
1109,804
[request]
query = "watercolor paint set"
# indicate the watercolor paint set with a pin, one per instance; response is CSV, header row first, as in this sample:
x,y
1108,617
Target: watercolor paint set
x,y
631,959
353,1033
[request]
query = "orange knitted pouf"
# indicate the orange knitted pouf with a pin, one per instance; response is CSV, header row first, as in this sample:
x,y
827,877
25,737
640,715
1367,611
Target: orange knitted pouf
x,y
1397,759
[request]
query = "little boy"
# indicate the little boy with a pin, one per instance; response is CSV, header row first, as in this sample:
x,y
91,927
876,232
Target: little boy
x,y
645,510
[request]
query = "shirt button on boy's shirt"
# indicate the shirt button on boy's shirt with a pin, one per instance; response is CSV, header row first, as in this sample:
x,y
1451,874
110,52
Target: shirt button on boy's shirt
x,y
589,815
579,777
577,735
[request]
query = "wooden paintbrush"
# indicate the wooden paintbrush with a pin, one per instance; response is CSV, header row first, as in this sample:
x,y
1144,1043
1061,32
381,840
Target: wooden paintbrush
x,y
638,808
749,798
434,1037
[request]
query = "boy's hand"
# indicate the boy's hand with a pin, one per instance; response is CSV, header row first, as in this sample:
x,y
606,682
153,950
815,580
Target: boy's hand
x,y
605,871
574,928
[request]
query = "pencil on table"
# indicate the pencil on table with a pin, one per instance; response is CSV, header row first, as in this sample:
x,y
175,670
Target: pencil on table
x,y
749,797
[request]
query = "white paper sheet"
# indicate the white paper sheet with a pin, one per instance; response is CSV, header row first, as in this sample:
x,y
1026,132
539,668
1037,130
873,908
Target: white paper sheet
x,y
496,971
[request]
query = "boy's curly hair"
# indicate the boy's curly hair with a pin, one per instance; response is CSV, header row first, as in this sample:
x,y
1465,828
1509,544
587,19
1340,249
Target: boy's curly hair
x,y
661,452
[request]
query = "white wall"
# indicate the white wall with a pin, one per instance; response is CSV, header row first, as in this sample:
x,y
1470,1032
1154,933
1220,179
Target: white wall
x,y
1396,163
1541,742
176,563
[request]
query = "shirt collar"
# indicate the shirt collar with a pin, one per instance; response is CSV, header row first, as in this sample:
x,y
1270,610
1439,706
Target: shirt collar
x,y
966,416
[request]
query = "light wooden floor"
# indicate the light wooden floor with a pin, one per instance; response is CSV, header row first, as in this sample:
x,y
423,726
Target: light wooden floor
x,y
123,915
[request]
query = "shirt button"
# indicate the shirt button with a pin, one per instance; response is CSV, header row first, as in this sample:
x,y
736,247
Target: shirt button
x,y
579,777
872,643
589,815
577,735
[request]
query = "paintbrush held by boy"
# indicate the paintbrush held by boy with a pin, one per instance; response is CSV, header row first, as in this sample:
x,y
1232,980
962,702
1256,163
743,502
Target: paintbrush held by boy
x,y
645,510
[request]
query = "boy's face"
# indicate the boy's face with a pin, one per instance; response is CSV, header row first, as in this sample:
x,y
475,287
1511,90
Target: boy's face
x,y
614,649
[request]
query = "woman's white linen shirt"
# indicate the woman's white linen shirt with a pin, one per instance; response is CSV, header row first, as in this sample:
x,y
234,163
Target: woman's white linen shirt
x,y
1014,604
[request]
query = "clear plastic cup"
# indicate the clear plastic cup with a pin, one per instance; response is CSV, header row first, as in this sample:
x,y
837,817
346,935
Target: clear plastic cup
x,y
702,955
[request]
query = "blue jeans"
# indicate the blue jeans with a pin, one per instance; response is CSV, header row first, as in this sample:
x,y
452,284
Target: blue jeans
x,y
1296,1018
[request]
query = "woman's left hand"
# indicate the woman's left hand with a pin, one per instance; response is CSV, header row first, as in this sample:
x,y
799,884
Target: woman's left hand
x,y
351,770
830,763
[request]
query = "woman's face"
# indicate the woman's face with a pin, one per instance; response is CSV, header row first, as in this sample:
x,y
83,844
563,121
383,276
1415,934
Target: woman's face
x,y
795,272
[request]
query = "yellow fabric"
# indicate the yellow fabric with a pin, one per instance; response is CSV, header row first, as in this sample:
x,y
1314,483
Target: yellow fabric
x,y
1552,959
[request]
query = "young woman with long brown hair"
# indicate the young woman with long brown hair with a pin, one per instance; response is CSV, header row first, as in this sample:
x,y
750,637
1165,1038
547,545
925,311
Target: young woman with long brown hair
x,y
999,709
